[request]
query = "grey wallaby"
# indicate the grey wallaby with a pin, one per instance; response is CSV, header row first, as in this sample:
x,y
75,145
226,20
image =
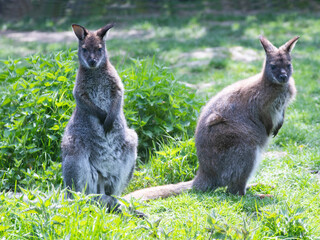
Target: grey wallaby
x,y
99,151
235,125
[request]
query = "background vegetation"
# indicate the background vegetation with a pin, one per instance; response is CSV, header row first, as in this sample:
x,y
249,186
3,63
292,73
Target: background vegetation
x,y
172,56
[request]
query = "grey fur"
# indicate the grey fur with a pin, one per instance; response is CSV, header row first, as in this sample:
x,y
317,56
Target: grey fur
x,y
98,149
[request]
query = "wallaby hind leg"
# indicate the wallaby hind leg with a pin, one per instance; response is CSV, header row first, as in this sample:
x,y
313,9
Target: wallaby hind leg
x,y
79,175
237,188
204,181
76,172
244,165
111,203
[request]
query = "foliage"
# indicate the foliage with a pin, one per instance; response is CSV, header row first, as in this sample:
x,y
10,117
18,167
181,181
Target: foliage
x,y
288,222
37,102
206,50
158,106
175,161
52,216
220,230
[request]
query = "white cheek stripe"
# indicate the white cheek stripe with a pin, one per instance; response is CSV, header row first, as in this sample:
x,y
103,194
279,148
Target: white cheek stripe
x,y
100,60
84,61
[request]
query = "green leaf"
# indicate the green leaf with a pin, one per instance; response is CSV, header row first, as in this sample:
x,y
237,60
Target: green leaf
x,y
62,79
5,102
55,127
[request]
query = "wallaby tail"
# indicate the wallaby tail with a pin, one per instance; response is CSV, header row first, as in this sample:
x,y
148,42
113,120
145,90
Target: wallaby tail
x,y
160,191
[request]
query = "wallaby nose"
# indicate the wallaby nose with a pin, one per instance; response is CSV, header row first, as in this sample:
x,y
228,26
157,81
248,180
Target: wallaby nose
x,y
283,77
92,62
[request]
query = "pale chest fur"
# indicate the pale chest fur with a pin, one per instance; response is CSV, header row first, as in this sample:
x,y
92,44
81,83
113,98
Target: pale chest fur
x,y
100,95
107,157
102,87
277,110
280,104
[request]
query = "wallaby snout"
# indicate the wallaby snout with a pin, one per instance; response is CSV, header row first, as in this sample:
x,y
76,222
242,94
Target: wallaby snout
x,y
92,63
283,77
280,69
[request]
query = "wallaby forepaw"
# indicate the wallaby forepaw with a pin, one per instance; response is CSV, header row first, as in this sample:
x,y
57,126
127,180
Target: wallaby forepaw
x,y
262,196
139,214
116,209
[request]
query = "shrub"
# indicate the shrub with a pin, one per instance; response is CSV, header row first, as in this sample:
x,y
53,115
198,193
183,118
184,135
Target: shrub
x,y
37,102
176,161
157,105
288,222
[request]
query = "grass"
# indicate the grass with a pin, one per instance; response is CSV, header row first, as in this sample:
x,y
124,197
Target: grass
x,y
192,48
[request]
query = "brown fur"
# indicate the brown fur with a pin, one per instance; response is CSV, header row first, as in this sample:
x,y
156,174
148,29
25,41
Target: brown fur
x,y
252,110
236,124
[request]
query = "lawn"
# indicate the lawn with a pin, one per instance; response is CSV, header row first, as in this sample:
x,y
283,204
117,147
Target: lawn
x,y
171,64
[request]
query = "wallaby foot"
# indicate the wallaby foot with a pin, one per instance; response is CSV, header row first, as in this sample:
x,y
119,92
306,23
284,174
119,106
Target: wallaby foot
x,y
111,203
258,195
262,196
237,190
139,214
113,206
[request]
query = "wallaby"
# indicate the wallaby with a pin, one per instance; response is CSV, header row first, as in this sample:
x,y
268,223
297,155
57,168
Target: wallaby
x,y
98,150
235,125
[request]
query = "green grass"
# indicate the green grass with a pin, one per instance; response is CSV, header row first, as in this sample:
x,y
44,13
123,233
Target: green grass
x,y
199,48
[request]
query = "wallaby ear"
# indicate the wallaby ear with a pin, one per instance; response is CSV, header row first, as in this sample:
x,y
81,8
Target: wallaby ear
x,y
267,45
102,31
288,46
80,31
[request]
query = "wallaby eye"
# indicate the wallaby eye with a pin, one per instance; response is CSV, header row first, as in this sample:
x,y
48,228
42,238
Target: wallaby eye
x,y
84,50
100,49
289,65
273,67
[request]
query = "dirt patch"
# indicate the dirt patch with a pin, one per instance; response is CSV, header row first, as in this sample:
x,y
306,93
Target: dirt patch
x,y
242,54
36,36
68,36
199,86
200,57
204,56
206,53
274,154
223,23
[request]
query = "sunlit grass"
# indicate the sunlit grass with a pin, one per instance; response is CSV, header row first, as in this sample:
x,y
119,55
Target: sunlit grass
x,y
165,49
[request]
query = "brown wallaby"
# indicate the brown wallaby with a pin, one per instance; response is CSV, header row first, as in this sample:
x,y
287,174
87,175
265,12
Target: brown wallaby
x,y
98,149
235,125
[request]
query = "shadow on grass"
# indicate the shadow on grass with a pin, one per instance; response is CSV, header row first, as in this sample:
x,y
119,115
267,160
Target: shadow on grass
x,y
249,204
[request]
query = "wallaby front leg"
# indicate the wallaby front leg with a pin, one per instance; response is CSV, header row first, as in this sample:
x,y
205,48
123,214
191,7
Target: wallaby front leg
x,y
114,110
84,102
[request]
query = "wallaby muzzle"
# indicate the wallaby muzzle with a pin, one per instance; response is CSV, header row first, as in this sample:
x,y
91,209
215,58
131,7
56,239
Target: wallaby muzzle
x,y
283,78
92,63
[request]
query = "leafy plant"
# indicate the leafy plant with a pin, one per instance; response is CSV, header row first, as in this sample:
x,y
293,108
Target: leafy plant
x,y
220,230
174,162
288,222
157,105
154,229
36,104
